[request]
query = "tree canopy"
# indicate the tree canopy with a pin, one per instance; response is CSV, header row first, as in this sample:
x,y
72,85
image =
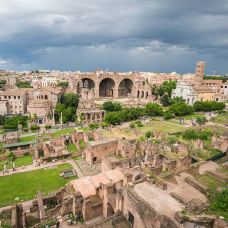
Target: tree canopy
x,y
110,106
181,109
67,106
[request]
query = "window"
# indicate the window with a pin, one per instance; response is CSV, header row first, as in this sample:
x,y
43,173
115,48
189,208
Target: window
x,y
18,97
15,97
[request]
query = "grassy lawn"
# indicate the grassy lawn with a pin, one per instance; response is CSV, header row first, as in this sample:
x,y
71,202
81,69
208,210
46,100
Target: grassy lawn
x,y
72,148
21,161
211,182
26,185
162,126
77,158
193,116
222,118
207,153
84,129
27,138
62,132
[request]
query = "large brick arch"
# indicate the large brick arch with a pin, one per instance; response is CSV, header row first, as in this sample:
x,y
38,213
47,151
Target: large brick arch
x,y
88,83
125,87
117,78
107,87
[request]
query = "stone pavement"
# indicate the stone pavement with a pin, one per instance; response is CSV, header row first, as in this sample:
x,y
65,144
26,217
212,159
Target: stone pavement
x,y
87,169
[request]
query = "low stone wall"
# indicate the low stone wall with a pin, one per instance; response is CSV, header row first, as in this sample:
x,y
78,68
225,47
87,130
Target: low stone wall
x,y
160,183
218,176
196,184
177,197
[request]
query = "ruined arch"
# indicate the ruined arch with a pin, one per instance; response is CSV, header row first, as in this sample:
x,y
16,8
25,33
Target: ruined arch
x,y
88,83
85,83
106,87
125,87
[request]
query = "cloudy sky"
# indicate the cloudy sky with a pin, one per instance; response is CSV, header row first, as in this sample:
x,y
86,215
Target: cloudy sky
x,y
118,35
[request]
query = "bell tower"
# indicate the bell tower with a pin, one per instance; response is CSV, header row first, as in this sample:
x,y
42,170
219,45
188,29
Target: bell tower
x,y
200,67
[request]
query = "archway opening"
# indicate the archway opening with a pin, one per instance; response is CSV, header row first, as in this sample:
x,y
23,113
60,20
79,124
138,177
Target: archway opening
x,y
88,83
106,88
85,83
125,87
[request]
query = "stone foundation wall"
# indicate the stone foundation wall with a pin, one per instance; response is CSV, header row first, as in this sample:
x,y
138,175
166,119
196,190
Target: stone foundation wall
x,y
196,184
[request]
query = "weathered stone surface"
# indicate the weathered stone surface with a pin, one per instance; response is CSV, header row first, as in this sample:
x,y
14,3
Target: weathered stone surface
x,y
195,205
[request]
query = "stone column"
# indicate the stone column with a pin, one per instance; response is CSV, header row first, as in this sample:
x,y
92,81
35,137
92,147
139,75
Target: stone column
x,y
96,90
115,91
53,116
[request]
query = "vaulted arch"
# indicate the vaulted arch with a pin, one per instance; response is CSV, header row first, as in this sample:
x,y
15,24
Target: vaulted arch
x,y
125,87
107,87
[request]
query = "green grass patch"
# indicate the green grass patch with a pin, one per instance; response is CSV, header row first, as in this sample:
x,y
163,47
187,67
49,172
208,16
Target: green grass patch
x,y
62,132
72,148
84,129
77,158
222,118
19,162
211,182
219,204
82,144
194,116
27,138
206,154
25,185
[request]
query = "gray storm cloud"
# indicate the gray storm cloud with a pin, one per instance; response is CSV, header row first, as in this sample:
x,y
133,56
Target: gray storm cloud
x,y
143,35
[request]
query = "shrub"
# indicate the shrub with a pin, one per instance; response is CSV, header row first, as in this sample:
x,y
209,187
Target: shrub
x,y
220,203
166,100
141,138
193,134
113,118
207,106
139,123
23,84
181,109
132,125
168,115
104,124
91,138
12,122
47,126
149,134
35,127
201,120
93,126
2,120
153,109
110,106
11,157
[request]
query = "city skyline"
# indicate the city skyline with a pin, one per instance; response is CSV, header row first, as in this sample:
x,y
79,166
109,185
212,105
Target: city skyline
x,y
125,36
